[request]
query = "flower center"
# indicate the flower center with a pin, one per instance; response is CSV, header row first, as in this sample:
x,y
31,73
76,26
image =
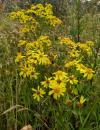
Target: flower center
x,y
38,92
47,81
89,71
40,56
71,78
58,81
56,90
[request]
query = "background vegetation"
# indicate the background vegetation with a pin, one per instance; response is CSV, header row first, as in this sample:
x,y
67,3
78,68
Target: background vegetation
x,y
81,22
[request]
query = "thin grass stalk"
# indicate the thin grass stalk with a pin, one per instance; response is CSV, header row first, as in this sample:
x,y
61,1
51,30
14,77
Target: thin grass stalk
x,y
78,20
16,103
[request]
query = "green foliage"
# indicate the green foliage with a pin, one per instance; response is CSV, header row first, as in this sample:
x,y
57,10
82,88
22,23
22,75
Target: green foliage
x,y
17,106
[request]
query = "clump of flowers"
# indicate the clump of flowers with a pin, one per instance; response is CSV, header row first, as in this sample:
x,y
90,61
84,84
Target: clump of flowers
x,y
56,66
29,19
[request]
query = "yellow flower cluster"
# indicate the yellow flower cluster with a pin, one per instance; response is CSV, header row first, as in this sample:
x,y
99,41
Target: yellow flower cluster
x,y
88,72
85,47
57,83
40,10
70,64
75,52
28,71
33,55
56,66
28,21
45,12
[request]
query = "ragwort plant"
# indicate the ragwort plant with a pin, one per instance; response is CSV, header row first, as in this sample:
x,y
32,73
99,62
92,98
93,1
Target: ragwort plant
x,y
55,70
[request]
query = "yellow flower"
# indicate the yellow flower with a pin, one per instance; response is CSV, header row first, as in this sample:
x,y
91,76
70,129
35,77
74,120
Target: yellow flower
x,y
24,30
28,71
65,40
85,48
46,83
88,72
57,82
38,10
44,39
74,53
34,74
38,93
42,58
60,74
24,71
16,15
82,100
22,42
31,57
60,81
72,79
19,57
90,43
45,12
68,42
29,47
53,20
81,68
71,64
57,90
48,9
32,60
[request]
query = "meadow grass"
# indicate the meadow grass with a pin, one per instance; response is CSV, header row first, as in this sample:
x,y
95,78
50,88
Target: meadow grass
x,y
17,105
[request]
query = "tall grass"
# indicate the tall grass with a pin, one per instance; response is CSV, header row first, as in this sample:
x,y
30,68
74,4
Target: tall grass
x,y
17,106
